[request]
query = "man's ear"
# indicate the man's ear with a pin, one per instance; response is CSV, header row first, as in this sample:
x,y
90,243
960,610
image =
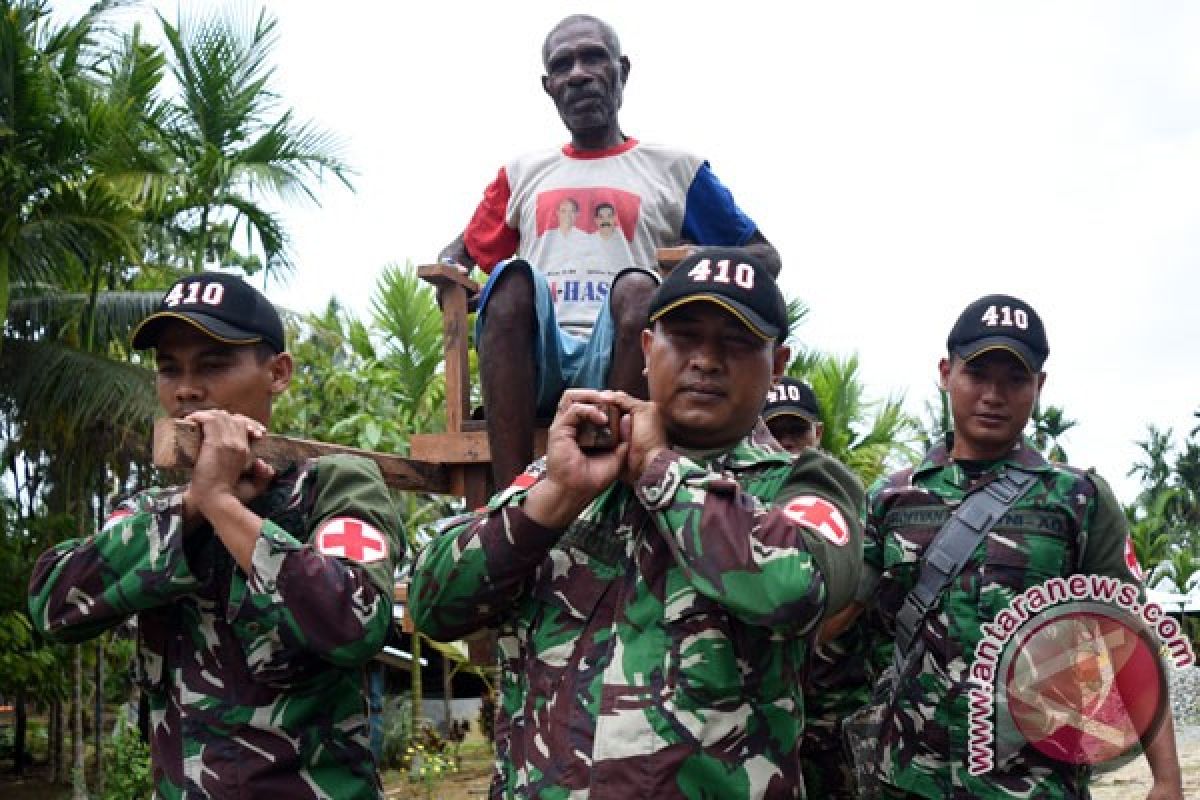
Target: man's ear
x,y
281,366
944,374
1041,381
546,86
624,69
647,338
782,356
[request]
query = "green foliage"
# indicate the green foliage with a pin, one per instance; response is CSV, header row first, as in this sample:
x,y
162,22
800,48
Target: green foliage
x,y
127,772
870,437
1165,517
397,730
225,142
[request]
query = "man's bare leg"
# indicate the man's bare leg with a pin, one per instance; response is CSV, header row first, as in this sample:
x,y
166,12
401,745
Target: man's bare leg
x,y
629,303
508,373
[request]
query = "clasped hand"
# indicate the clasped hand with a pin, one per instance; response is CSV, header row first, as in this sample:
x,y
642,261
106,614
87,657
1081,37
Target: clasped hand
x,y
575,477
225,465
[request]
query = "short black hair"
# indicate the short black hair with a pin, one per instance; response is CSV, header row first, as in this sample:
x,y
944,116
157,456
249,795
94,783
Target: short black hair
x,y
264,351
606,30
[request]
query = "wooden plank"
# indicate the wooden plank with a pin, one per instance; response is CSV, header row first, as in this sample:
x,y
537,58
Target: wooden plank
x,y
177,442
441,274
452,288
668,257
468,447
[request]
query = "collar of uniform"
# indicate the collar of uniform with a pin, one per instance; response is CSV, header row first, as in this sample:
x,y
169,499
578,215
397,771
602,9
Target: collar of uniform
x,y
1023,455
758,447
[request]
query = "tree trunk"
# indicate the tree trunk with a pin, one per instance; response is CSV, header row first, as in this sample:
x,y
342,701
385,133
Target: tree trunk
x,y
78,779
417,688
447,692
55,742
19,722
99,726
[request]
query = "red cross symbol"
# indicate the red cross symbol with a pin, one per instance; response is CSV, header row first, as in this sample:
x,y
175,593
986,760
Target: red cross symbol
x,y
351,538
1131,560
819,515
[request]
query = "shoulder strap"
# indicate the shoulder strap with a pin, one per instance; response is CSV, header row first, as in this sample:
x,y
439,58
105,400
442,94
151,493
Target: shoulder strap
x,y
946,556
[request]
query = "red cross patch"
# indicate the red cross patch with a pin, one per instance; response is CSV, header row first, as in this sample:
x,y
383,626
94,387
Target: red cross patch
x,y
115,517
819,515
347,537
1131,558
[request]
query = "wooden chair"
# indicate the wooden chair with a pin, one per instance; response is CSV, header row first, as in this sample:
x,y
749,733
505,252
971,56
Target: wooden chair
x,y
463,447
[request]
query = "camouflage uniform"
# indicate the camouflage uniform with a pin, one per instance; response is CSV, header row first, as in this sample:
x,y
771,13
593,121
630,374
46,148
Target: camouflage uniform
x,y
835,687
255,683
654,648
1069,522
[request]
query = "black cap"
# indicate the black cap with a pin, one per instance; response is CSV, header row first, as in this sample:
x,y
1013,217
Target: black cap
x,y
793,397
1000,322
221,305
730,278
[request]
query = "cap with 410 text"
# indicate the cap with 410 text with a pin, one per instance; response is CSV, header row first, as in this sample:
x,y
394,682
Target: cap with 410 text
x,y
731,278
1000,322
220,305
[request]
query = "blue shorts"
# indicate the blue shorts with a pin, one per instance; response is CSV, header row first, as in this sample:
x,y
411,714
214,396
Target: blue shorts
x,y
561,360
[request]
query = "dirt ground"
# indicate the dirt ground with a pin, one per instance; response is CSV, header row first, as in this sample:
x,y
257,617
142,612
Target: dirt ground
x,y
1130,782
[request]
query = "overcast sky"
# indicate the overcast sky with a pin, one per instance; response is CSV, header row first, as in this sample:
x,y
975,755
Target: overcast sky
x,y
905,158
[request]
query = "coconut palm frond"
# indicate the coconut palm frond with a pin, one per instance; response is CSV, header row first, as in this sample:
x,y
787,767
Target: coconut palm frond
x,y
72,390
115,313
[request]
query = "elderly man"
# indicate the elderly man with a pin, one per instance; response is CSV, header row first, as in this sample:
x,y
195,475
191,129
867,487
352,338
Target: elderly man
x,y
564,312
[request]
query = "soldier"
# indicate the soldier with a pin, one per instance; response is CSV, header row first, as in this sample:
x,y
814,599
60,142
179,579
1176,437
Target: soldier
x,y
654,600
1067,523
793,415
835,681
566,311
259,594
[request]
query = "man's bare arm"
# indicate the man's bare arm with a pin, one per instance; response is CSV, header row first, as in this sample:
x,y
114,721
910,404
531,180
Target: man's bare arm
x,y
1164,764
758,246
457,252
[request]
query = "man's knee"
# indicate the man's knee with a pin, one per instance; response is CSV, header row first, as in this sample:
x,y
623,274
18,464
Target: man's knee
x,y
630,300
511,298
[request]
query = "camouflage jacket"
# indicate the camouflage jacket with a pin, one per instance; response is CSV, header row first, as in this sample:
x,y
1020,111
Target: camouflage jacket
x,y
255,682
1069,522
835,686
654,648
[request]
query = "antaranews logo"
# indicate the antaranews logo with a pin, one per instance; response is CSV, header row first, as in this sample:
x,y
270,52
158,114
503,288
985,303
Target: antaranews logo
x,y
1074,668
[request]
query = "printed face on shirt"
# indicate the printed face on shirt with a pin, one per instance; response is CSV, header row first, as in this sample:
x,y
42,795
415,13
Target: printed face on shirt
x,y
585,77
196,372
991,400
708,374
568,209
606,220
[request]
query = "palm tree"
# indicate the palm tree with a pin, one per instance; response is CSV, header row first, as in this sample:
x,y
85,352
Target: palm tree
x,y
870,437
1049,423
227,146
58,204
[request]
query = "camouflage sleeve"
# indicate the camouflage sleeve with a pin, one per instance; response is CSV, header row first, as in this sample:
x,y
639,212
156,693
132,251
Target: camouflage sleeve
x,y
82,587
1108,549
332,595
777,566
872,545
474,572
